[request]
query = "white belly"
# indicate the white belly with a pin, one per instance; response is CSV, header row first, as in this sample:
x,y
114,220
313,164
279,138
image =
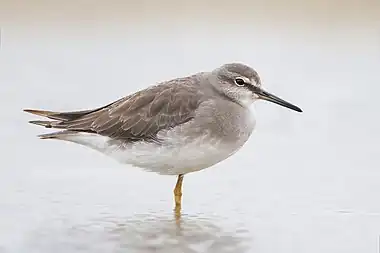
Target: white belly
x,y
179,153
179,156
170,160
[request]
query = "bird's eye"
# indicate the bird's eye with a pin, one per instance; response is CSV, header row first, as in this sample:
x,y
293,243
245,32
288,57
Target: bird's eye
x,y
239,82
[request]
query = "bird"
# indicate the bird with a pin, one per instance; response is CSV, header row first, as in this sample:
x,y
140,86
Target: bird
x,y
172,127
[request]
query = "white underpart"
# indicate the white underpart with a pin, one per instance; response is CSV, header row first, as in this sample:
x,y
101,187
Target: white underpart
x,y
163,159
177,155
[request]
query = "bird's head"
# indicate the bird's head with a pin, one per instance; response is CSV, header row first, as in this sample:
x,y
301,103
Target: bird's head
x,y
242,84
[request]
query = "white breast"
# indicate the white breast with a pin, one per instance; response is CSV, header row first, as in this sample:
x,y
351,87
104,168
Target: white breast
x,y
170,159
179,153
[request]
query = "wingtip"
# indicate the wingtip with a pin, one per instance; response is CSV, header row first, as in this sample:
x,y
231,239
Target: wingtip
x,y
42,137
46,124
56,135
38,112
29,110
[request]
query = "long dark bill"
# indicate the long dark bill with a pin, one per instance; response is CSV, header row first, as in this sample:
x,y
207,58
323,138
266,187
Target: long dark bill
x,y
272,98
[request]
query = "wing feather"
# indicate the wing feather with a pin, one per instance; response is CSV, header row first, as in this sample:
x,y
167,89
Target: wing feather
x,y
142,115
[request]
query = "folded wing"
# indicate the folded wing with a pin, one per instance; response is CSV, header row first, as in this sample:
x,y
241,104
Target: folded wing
x,y
137,117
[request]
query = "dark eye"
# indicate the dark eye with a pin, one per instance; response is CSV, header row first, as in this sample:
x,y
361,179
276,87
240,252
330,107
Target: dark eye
x,y
239,82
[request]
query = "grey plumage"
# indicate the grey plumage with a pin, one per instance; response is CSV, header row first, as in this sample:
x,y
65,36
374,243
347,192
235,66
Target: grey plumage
x,y
205,111
142,115
176,127
139,116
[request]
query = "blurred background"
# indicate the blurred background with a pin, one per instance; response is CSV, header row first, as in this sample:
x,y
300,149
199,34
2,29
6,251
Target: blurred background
x,y
303,183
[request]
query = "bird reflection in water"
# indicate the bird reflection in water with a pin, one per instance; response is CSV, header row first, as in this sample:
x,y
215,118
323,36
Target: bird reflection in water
x,y
145,234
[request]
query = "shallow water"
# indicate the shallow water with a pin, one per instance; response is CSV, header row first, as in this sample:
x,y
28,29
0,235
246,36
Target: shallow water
x,y
303,183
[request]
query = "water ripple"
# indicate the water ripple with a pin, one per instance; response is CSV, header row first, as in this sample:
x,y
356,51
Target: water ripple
x,y
143,234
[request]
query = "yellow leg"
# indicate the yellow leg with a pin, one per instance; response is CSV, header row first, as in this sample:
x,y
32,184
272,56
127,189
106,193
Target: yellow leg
x,y
178,193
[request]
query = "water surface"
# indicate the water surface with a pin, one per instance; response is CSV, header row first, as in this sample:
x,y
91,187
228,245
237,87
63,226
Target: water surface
x,y
303,183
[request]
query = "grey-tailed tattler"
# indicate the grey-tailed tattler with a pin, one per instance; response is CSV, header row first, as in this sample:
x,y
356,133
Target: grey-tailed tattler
x,y
175,127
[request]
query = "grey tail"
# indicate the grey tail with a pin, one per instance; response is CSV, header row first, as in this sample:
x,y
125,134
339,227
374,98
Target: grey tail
x,y
47,124
59,120
63,116
58,135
